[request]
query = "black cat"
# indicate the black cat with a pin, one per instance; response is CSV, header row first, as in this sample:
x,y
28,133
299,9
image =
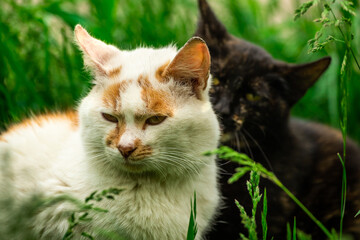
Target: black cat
x,y
253,94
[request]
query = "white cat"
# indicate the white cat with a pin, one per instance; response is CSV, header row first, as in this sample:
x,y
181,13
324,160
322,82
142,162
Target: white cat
x,y
143,128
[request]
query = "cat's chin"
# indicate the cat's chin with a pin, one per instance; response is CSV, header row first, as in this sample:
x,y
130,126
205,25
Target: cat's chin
x,y
132,167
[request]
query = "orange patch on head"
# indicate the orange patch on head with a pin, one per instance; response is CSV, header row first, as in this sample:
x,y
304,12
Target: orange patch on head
x,y
111,95
159,74
144,81
114,72
157,101
114,136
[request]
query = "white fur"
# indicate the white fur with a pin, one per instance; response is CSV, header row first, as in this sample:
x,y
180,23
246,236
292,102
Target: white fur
x,y
56,158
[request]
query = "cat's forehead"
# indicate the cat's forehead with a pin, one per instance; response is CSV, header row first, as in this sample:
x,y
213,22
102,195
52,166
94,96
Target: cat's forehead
x,y
141,61
135,85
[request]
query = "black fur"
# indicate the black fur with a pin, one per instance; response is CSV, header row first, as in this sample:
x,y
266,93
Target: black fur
x,y
253,94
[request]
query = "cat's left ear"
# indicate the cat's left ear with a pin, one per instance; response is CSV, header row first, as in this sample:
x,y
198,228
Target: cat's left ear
x,y
301,77
191,66
97,54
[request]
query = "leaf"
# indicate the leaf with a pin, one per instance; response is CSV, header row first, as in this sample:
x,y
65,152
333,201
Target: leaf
x,y
240,172
90,197
72,218
346,20
87,235
84,215
357,214
100,209
294,229
303,9
288,232
192,227
110,197
302,236
348,7
68,235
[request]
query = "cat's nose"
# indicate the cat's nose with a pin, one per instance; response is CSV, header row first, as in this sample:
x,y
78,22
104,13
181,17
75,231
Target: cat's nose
x,y
126,150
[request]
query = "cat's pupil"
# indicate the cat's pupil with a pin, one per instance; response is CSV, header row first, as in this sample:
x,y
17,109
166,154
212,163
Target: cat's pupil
x,y
155,120
109,117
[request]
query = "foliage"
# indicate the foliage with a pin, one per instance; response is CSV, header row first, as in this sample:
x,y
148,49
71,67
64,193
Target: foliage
x,y
357,214
192,228
250,222
330,20
263,217
82,214
296,234
247,165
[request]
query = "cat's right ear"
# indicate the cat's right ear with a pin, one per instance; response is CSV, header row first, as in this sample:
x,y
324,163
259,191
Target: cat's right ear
x,y
97,54
191,67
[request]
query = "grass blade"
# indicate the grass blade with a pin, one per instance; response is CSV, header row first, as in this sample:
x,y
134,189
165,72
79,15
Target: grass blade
x,y
263,217
192,228
358,213
288,231
294,229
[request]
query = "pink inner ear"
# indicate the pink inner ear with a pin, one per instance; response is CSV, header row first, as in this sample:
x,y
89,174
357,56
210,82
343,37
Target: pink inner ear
x,y
98,51
191,65
201,55
193,60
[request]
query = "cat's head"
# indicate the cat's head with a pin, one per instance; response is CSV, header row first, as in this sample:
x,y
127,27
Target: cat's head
x,y
252,92
149,109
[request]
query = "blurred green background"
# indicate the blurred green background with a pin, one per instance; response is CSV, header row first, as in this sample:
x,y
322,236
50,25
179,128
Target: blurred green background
x,y
41,69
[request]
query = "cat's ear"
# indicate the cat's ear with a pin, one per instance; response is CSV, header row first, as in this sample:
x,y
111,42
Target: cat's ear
x,y
301,77
191,66
97,54
209,27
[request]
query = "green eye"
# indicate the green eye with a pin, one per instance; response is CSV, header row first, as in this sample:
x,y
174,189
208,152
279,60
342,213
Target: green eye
x,y
109,117
252,98
155,120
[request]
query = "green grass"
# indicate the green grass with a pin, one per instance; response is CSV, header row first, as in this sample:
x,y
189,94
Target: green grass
x,y
192,227
249,222
336,27
249,165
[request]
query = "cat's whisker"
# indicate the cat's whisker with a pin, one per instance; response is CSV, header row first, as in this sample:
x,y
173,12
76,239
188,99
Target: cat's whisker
x,y
258,125
238,144
260,149
247,145
188,159
181,162
178,167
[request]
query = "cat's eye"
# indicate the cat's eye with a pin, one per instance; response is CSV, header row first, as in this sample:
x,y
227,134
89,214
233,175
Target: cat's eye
x,y
216,81
252,98
109,117
155,120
